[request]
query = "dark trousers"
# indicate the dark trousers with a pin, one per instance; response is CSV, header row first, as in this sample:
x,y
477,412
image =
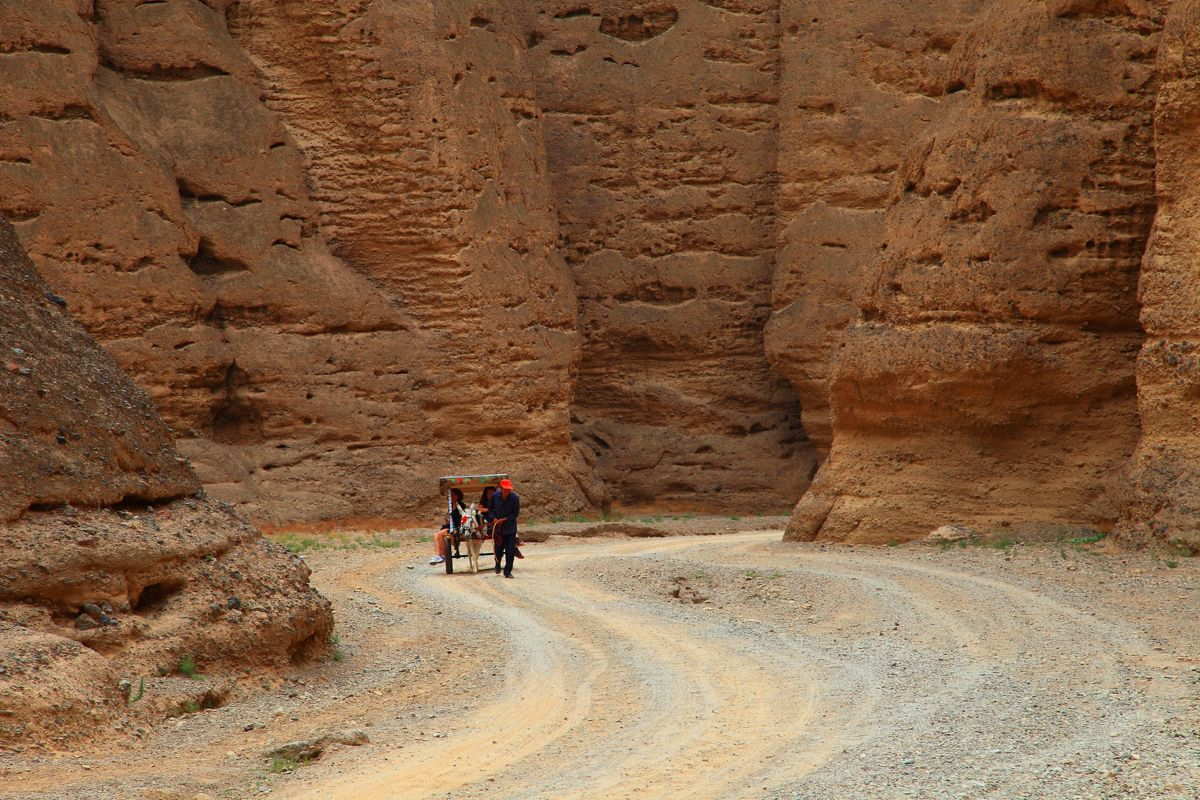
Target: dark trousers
x,y
506,548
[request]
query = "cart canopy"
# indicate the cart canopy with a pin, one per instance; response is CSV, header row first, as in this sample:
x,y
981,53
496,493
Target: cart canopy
x,y
469,483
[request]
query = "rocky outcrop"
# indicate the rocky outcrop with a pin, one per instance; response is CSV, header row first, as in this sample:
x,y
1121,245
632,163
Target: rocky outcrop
x,y
73,429
98,604
105,615
661,131
1162,496
988,375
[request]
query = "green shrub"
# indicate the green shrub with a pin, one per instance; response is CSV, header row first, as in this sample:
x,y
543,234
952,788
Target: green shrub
x,y
187,668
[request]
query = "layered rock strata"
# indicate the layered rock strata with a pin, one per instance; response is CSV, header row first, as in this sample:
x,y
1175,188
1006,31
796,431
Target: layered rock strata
x,y
988,376
100,604
349,246
661,131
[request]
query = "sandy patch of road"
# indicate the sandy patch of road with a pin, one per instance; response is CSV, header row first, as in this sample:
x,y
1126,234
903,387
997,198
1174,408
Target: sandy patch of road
x,y
712,667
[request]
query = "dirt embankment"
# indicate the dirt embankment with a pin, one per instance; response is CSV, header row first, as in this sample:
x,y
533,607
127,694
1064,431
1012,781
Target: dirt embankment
x,y
715,667
102,609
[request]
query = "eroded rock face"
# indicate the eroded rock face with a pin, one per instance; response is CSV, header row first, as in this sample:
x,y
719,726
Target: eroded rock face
x,y
426,154
661,132
1162,499
861,81
73,429
318,356
88,598
100,611
349,246
988,375
170,208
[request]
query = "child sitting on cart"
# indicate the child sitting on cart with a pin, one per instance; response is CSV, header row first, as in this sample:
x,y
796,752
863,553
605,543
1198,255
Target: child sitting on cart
x,y
439,538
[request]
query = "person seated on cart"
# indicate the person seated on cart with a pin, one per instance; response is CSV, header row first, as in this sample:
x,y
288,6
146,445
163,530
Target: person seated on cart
x,y
439,539
485,499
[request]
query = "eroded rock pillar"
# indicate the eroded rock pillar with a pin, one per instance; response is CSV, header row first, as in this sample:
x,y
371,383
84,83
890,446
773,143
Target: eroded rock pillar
x,y
988,377
1163,497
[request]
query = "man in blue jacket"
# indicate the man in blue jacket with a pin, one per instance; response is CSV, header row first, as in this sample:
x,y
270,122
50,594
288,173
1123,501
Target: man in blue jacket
x,y
502,515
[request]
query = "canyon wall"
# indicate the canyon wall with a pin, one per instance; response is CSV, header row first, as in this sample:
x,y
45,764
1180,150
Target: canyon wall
x,y
987,376
661,134
636,252
862,81
425,155
320,353
1162,495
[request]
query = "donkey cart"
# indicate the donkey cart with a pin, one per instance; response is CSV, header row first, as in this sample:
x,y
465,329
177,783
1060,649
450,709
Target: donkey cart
x,y
470,530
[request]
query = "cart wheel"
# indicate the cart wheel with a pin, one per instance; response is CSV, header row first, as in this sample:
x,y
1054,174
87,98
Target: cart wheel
x,y
449,558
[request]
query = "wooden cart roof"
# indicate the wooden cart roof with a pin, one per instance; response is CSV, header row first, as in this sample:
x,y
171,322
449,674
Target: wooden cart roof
x,y
469,483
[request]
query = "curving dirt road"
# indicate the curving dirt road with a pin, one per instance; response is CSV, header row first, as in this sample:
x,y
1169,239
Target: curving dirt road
x,y
896,678
722,667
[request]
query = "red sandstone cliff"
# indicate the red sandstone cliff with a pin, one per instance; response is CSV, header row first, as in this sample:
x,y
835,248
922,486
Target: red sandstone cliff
x,y
1162,494
424,149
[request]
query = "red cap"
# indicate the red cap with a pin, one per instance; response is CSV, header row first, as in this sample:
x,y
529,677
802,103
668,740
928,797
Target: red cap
x,y
506,484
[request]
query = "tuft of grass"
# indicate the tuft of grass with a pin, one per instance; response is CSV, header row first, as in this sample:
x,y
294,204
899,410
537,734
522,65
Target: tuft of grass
x,y
1172,563
1091,538
1002,543
139,694
1181,550
383,543
424,539
281,764
338,653
892,543
187,668
191,707
299,544
333,540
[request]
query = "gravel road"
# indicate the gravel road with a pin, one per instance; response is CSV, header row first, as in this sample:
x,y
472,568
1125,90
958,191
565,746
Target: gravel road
x,y
732,666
